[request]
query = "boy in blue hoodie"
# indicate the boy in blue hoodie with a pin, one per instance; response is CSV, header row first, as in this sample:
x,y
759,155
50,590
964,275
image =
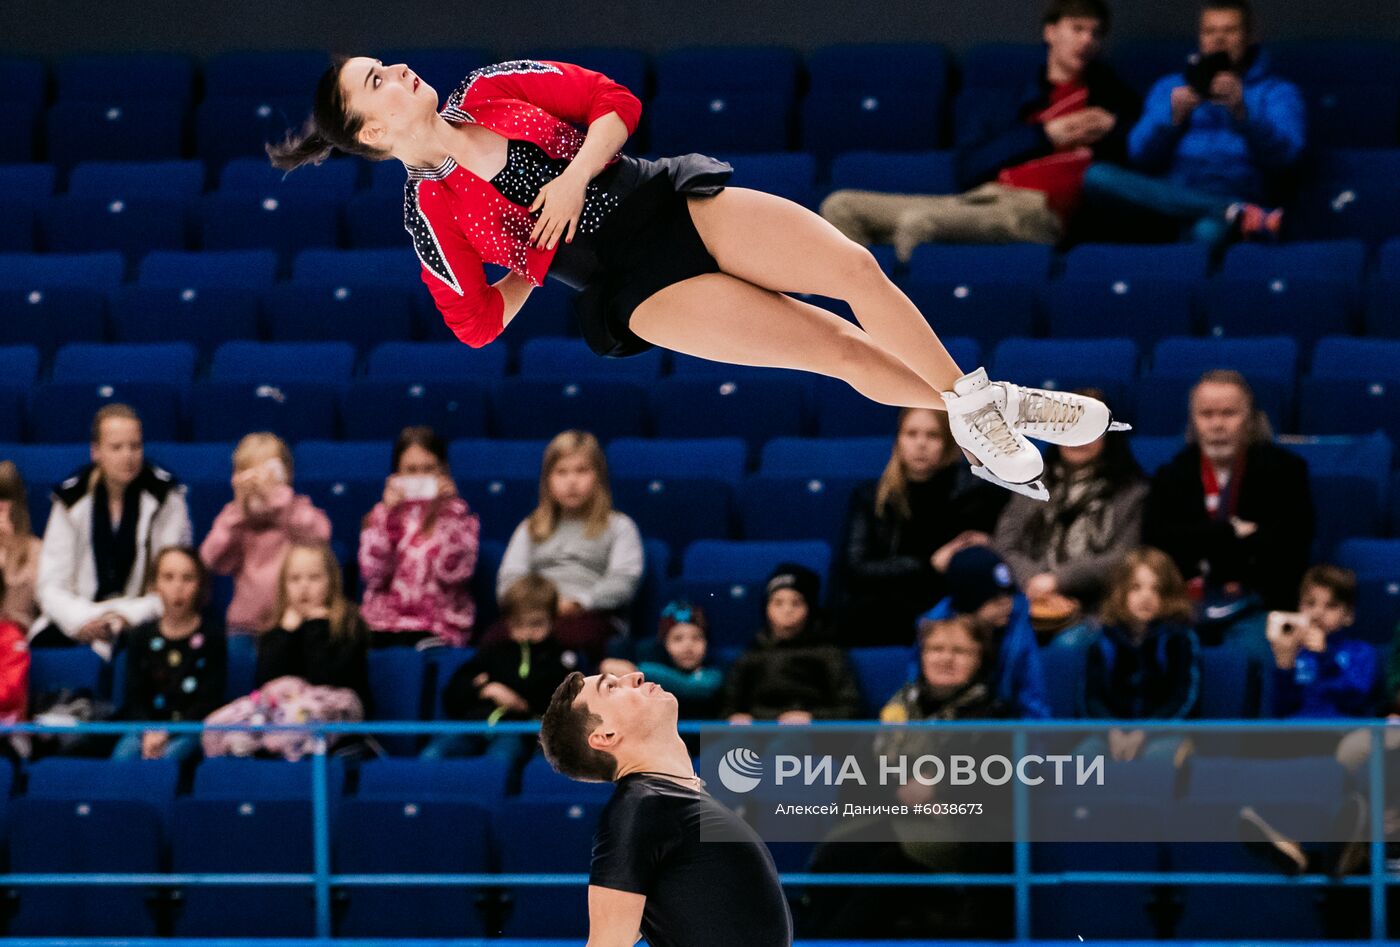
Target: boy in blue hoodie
x,y
1320,670
981,586
1211,138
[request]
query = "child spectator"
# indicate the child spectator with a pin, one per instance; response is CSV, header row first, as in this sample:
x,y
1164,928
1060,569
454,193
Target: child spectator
x,y
1321,671
509,679
677,660
982,587
251,535
19,550
105,521
319,636
791,673
418,550
1146,663
14,671
902,529
591,552
176,665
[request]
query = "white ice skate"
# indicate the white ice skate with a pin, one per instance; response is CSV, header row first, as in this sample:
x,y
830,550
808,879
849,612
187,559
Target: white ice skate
x,y
1057,417
1003,456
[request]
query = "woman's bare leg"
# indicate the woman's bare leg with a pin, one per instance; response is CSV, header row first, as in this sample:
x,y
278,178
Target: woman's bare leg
x,y
779,245
724,319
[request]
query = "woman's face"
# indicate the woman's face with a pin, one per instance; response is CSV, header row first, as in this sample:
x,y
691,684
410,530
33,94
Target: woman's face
x,y
572,481
950,657
118,452
416,461
390,98
787,612
921,443
1144,600
308,586
177,585
685,643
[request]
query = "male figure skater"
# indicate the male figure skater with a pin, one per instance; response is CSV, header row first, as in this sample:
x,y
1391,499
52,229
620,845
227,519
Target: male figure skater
x,y
670,863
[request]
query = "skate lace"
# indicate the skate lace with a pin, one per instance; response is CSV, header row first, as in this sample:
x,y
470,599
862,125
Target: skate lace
x,y
1039,408
989,422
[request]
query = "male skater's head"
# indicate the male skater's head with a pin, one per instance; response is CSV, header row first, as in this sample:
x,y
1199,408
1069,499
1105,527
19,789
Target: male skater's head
x,y
601,727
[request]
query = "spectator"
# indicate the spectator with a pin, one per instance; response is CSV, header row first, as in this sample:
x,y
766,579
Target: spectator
x,y
677,660
14,674
20,550
510,680
105,520
1219,134
902,529
1321,671
1023,157
251,535
981,587
1146,663
176,665
1064,548
418,550
1233,510
791,673
319,636
575,538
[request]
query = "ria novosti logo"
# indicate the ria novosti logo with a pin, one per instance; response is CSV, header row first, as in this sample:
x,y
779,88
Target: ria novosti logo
x,y
741,770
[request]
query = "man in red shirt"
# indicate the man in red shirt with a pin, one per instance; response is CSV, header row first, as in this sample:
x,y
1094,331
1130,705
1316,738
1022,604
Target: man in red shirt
x,y
1022,150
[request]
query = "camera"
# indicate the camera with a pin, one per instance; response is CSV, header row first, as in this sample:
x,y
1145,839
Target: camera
x,y
1201,70
418,487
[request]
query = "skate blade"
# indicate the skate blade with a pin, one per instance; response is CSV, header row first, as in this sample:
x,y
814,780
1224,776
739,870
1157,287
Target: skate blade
x,y
1119,426
1035,489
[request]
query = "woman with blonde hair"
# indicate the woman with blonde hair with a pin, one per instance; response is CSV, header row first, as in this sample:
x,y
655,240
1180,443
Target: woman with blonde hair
x,y
19,550
902,529
575,538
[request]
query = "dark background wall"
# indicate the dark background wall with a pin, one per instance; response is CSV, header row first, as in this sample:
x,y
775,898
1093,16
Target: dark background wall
x,y
201,27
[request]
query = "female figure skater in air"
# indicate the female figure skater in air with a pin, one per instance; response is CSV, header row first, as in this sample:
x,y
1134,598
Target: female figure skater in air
x,y
663,253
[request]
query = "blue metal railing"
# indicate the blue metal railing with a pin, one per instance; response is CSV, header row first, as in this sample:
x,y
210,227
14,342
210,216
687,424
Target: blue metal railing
x,y
1022,879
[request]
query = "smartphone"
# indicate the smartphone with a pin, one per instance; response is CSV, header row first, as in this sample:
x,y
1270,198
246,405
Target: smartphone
x,y
418,487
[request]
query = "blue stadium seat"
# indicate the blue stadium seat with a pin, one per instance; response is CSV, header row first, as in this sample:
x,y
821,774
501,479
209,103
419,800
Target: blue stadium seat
x,y
1338,260
19,365
841,411
539,782
828,457
548,313
128,180
124,77
1304,308
547,837
242,664
477,458
287,72
398,679
289,225
149,130
733,609
169,363
229,269
1001,64
257,780
22,145
24,79
357,268
1343,208
1152,451
372,410
43,466
364,316
1354,388
1269,364
1355,108
57,669
1371,558
1063,669
794,507
755,409
236,126
751,561
533,408
647,604
26,184
1365,457
63,413
1378,610
1229,687
322,459
1144,310
283,362
1105,262
622,65
501,503
134,227
375,221
480,780
226,410
445,663
21,230
13,400
423,362
49,318
345,501
676,509
880,96
557,359
708,69
880,672
332,181
986,311
719,458
88,271
204,318
1108,364
720,121
1349,478
920,172
960,263
787,174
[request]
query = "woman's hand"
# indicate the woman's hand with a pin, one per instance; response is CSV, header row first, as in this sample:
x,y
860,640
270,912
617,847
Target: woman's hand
x,y
503,696
568,606
1041,586
154,744
446,488
291,620
560,204
393,496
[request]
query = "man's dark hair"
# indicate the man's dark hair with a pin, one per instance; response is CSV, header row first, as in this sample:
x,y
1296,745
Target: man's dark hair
x,y
1242,7
1057,10
564,734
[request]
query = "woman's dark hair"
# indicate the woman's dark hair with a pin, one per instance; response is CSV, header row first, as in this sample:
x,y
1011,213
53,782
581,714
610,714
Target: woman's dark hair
x,y
420,436
331,126
1116,464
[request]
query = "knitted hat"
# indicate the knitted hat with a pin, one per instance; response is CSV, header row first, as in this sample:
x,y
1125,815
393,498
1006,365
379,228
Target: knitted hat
x,y
975,576
681,612
789,575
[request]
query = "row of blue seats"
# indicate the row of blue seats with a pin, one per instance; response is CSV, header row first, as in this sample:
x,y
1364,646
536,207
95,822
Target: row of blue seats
x,y
894,96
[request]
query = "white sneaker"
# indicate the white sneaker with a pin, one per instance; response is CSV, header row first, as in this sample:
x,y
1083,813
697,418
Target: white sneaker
x,y
1004,457
1057,417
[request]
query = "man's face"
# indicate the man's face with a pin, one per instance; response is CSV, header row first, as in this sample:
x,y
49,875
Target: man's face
x,y
631,707
1223,31
1220,416
1074,41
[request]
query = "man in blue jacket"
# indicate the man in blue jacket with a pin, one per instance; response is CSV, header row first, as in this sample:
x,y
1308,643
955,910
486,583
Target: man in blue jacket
x,y
981,586
1213,137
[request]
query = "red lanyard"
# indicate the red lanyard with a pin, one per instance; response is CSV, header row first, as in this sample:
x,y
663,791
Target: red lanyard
x,y
1212,488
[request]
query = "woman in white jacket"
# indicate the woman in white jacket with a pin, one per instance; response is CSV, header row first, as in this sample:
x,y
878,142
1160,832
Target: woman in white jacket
x,y
108,522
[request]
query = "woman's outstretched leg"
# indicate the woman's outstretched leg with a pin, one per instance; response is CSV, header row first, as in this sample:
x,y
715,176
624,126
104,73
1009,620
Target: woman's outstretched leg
x,y
782,246
724,319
